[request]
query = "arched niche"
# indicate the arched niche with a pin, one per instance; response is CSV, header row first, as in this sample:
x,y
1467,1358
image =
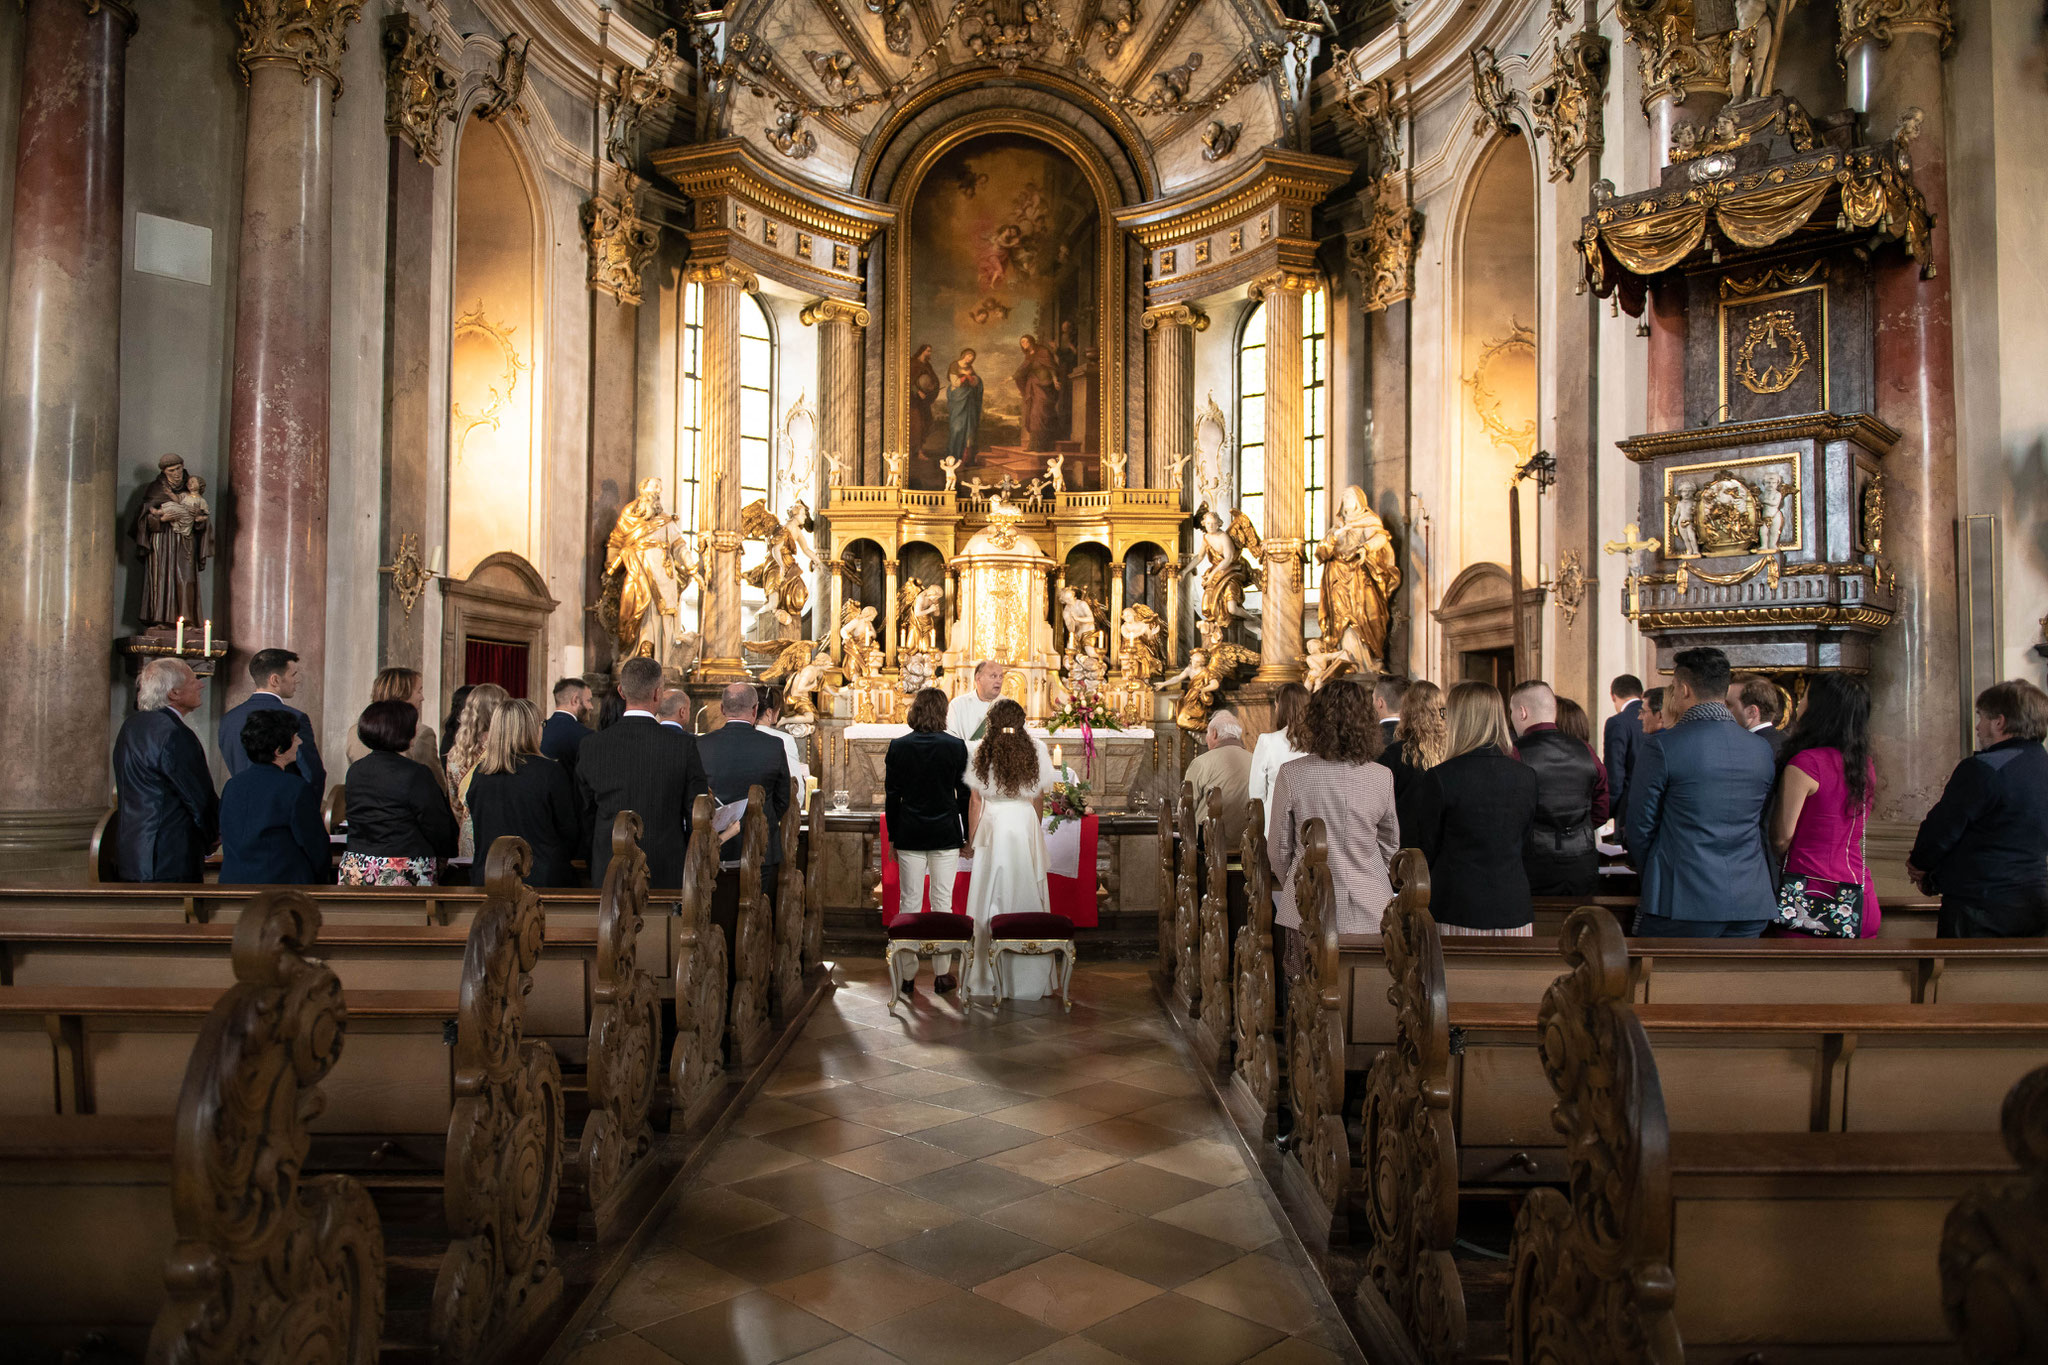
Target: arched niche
x,y
1145,575
495,627
494,478
1476,620
1494,347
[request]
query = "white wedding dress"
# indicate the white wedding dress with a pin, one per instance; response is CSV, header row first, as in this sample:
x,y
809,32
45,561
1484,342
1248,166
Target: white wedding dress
x,y
1009,877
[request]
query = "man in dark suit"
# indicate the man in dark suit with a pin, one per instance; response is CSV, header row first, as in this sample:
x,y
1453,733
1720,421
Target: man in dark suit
x,y
638,764
1618,741
1754,700
561,738
1695,819
168,813
737,757
276,675
1386,705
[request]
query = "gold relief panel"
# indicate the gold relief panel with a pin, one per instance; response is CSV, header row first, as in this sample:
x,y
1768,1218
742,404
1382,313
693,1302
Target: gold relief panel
x,y
1236,240
842,256
771,232
1202,252
1773,346
803,245
1733,507
1266,227
1169,261
739,218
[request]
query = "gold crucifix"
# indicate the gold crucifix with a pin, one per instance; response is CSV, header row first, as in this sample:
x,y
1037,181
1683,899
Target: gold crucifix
x,y
1631,541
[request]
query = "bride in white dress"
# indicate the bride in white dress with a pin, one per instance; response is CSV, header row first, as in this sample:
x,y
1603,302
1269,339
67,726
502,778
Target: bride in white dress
x,y
1009,777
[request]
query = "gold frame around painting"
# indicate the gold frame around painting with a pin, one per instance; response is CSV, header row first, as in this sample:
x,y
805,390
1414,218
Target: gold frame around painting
x,y
1820,354
1711,471
1110,338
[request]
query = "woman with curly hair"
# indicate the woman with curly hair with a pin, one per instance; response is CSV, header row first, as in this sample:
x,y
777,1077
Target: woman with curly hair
x,y
1421,739
1470,816
1337,782
1007,782
467,751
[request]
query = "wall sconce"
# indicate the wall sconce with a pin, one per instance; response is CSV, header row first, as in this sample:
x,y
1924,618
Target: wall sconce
x,y
1542,467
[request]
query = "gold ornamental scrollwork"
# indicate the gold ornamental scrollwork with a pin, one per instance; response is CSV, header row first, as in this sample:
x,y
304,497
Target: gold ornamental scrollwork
x,y
1571,586
475,323
1382,254
1877,21
409,574
620,244
419,87
1487,405
1174,315
311,35
1675,61
1774,332
1566,104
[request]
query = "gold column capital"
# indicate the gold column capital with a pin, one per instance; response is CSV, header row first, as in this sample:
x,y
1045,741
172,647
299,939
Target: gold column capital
x,y
419,87
834,310
311,35
1675,61
1174,315
619,243
1286,282
1382,253
1877,21
721,272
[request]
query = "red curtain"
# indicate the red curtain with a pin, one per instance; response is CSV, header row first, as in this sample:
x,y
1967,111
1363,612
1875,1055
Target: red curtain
x,y
495,661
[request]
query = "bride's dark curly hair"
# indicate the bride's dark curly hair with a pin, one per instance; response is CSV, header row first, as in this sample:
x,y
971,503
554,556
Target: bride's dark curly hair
x,y
1007,760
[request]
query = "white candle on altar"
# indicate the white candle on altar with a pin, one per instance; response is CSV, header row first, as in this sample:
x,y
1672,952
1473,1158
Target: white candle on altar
x,y
209,636
181,635
1057,765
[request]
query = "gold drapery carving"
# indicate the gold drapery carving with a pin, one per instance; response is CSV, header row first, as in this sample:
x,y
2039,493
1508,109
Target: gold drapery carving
x,y
311,35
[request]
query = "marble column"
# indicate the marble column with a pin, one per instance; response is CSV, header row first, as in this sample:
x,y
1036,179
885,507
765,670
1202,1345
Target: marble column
x,y
1684,76
1173,659
60,420
889,589
276,508
1280,642
1919,711
719,515
840,379
1116,614
834,570
1170,378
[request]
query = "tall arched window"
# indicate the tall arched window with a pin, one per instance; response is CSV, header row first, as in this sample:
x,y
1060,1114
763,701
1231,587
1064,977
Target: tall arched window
x,y
1251,412
757,411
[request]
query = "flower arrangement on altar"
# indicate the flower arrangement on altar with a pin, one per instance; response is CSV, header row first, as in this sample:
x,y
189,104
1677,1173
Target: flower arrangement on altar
x,y
1068,800
1086,712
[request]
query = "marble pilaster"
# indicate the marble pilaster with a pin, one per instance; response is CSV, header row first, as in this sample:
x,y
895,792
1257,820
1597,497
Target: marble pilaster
x,y
719,514
889,589
1573,661
1893,53
409,400
60,419
1391,473
1116,614
1170,384
1280,641
276,499
840,378
614,392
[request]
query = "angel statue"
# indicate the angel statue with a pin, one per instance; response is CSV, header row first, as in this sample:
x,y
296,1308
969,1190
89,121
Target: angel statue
x,y
792,657
918,607
915,671
1142,631
1113,465
781,574
1360,575
645,567
1202,682
1327,660
894,462
1226,573
1077,614
857,647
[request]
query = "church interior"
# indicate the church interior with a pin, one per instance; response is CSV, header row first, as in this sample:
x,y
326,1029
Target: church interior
x,y
1165,352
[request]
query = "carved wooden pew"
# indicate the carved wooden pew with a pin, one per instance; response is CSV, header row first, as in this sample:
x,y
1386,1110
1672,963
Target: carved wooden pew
x,y
1254,1094
1319,1169
696,1075
790,913
1212,1033
1187,930
749,1033
1169,904
1710,1245
1904,917
1994,1244
171,1229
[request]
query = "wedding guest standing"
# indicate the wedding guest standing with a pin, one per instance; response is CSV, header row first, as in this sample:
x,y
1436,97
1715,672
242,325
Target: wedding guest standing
x,y
468,750
1421,740
737,757
270,828
275,672
1277,746
1984,847
519,790
1619,738
1336,782
925,801
453,723
406,685
1471,818
1825,795
568,725
638,764
1008,779
1571,795
399,825
168,813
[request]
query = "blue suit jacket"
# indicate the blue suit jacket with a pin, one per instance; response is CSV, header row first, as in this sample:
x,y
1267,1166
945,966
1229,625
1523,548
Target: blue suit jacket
x,y
1695,822
230,736
1619,741
561,738
270,830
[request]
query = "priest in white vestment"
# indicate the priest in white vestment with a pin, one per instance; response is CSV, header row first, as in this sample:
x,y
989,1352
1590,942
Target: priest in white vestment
x,y
967,716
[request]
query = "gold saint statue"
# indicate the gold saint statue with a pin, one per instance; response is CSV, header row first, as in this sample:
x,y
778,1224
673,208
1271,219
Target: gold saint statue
x,y
1360,576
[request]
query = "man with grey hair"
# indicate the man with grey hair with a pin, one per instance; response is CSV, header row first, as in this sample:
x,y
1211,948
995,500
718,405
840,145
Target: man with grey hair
x,y
169,816
738,757
1225,769
967,717
673,710
1571,796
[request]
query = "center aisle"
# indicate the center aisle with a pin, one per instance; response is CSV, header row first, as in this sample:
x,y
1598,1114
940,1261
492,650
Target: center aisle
x,y
1009,1186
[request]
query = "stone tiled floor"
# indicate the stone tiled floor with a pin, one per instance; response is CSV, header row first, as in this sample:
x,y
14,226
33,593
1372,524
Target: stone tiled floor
x,y
974,1188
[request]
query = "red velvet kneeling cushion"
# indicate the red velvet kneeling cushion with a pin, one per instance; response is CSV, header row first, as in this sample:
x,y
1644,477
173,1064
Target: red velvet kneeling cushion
x,y
1033,924
940,926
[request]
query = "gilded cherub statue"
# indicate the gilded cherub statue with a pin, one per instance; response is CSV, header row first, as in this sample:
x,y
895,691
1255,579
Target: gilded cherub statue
x,y
790,556
1220,556
857,646
1202,682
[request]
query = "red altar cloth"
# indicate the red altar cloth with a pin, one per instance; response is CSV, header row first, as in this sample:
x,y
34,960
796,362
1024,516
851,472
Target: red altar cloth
x,y
1072,896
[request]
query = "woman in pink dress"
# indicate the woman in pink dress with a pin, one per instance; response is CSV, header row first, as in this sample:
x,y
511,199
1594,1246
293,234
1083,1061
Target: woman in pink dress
x,y
1825,792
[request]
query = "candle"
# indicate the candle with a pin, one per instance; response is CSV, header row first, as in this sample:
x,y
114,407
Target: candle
x,y
1542,573
209,636
1057,765
440,559
181,635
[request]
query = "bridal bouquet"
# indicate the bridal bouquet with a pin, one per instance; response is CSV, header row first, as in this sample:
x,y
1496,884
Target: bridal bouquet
x,y
1067,801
